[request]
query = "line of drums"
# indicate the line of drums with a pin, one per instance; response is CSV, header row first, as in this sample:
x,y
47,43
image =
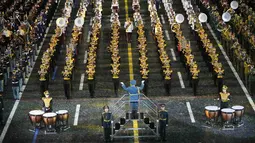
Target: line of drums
x,y
231,117
52,121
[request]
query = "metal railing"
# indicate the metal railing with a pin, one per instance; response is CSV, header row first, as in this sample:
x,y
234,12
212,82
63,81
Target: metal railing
x,y
145,106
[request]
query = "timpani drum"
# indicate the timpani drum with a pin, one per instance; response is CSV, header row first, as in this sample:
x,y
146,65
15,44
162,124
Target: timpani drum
x,y
50,121
62,118
35,117
211,113
239,111
227,116
62,115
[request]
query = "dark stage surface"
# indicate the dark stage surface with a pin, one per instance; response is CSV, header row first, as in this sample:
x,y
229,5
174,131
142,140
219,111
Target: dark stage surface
x,y
181,129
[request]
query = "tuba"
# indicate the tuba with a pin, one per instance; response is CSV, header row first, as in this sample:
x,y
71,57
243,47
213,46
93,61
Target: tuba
x,y
175,27
61,22
79,21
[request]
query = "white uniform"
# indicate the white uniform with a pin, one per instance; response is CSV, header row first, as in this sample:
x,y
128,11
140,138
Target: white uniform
x,y
130,27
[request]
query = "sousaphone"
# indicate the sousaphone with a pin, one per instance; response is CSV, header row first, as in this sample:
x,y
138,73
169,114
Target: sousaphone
x,y
79,21
61,22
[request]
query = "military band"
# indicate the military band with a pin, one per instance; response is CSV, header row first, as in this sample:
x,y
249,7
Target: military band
x,y
93,45
142,47
160,42
71,53
236,37
113,48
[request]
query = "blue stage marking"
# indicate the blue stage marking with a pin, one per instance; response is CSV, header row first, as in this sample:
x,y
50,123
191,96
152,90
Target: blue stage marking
x,y
55,73
35,135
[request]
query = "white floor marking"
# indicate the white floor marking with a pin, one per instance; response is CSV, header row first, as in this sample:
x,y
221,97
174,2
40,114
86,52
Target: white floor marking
x,y
190,112
162,19
167,35
85,57
180,78
81,81
76,117
173,54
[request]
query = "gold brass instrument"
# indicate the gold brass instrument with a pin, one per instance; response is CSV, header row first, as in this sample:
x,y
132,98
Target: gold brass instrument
x,y
175,27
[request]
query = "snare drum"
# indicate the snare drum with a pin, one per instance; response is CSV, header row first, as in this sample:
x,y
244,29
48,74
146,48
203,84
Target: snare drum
x,y
62,115
212,112
35,117
239,110
227,114
50,118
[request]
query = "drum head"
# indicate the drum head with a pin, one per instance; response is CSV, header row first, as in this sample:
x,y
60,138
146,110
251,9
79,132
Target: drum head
x,y
237,107
212,108
36,112
227,110
49,114
62,112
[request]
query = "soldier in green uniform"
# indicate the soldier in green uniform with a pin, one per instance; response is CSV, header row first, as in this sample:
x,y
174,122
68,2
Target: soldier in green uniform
x,y
106,123
163,122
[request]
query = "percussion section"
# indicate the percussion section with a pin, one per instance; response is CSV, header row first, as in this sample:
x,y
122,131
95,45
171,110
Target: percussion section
x,y
50,122
226,118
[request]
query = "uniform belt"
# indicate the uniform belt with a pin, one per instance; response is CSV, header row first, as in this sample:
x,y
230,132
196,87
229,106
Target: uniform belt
x,y
162,119
224,100
107,120
133,94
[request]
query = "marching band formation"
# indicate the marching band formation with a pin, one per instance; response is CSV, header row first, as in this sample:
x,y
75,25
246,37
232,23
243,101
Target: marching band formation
x,y
23,26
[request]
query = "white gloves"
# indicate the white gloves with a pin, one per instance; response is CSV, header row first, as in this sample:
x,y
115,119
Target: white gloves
x,y
121,83
143,81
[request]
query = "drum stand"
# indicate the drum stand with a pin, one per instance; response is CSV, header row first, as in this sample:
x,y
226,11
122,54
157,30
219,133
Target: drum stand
x,y
64,125
50,129
238,121
36,126
228,126
211,122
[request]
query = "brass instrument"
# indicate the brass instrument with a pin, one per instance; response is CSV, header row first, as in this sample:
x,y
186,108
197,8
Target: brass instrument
x,y
175,27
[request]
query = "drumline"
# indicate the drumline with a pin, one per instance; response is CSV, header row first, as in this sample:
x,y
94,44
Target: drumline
x,y
229,115
49,120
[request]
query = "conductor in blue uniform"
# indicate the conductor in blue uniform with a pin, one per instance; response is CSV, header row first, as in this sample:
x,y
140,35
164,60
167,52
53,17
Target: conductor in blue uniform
x,y
134,92
163,122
